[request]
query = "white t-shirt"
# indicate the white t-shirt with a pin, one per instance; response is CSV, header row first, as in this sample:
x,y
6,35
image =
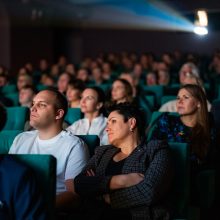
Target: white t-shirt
x,y
97,127
70,151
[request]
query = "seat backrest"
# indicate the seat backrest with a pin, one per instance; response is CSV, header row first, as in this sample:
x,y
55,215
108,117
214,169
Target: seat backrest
x,y
150,99
6,139
158,90
16,118
92,142
181,188
144,105
44,167
8,89
72,115
14,97
167,98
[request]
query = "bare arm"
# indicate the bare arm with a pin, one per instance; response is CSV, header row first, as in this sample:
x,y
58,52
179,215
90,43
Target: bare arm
x,y
125,180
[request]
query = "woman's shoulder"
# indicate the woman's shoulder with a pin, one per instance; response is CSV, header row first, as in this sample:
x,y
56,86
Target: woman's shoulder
x,y
101,149
156,145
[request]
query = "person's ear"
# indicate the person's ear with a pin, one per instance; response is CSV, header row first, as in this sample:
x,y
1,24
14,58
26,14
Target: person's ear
x,y
132,123
59,114
99,105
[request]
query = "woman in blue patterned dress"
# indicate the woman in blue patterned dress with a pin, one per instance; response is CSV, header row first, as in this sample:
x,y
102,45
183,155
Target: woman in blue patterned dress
x,y
192,125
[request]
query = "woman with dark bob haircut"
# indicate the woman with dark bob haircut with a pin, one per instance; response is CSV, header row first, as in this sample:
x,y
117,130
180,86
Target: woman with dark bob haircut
x,y
127,179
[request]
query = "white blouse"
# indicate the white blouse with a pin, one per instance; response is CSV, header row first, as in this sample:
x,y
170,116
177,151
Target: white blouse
x,y
97,127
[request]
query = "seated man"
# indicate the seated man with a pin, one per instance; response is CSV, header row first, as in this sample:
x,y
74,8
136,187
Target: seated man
x,y
46,115
19,196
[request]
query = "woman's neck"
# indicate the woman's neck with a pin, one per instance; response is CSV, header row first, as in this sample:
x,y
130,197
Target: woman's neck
x,y
188,120
91,116
129,145
75,104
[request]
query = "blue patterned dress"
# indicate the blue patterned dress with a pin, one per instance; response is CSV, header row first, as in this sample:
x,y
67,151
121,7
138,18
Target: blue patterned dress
x,y
171,128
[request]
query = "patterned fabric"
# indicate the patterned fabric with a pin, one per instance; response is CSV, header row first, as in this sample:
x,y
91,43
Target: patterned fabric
x,y
171,128
153,160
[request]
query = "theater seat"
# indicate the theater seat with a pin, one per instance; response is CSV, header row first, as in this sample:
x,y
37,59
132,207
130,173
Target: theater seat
x,y
92,142
6,139
181,187
16,118
73,114
44,167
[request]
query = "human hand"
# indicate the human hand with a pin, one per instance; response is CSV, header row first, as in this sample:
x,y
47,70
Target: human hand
x,y
90,173
106,197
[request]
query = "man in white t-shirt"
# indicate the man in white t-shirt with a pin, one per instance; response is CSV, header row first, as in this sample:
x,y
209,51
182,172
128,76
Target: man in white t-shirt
x,y
46,115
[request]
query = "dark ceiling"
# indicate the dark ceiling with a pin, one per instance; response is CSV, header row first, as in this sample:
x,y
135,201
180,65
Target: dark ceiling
x,y
127,14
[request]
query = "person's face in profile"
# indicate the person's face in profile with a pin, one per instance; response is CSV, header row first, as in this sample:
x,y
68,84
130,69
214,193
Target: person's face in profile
x,y
89,101
43,113
117,129
62,83
25,96
186,104
73,94
118,92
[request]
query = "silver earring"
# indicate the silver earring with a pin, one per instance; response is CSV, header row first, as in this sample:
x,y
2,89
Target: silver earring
x,y
131,130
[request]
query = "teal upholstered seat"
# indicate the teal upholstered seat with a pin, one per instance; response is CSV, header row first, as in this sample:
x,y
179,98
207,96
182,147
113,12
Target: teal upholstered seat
x,y
158,90
167,98
16,118
6,139
73,114
14,97
92,142
181,187
44,168
8,89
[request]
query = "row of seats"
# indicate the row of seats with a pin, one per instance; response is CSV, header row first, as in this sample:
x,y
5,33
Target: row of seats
x,y
45,168
17,116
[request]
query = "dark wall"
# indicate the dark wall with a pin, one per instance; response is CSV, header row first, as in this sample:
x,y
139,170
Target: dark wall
x,y
30,44
93,41
4,37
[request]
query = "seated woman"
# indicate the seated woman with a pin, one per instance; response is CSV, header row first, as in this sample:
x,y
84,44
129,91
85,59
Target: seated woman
x,y
74,91
94,122
127,179
121,92
194,126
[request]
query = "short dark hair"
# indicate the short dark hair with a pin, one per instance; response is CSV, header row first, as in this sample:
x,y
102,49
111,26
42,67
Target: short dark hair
x,y
3,116
77,84
128,110
61,101
34,90
101,96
